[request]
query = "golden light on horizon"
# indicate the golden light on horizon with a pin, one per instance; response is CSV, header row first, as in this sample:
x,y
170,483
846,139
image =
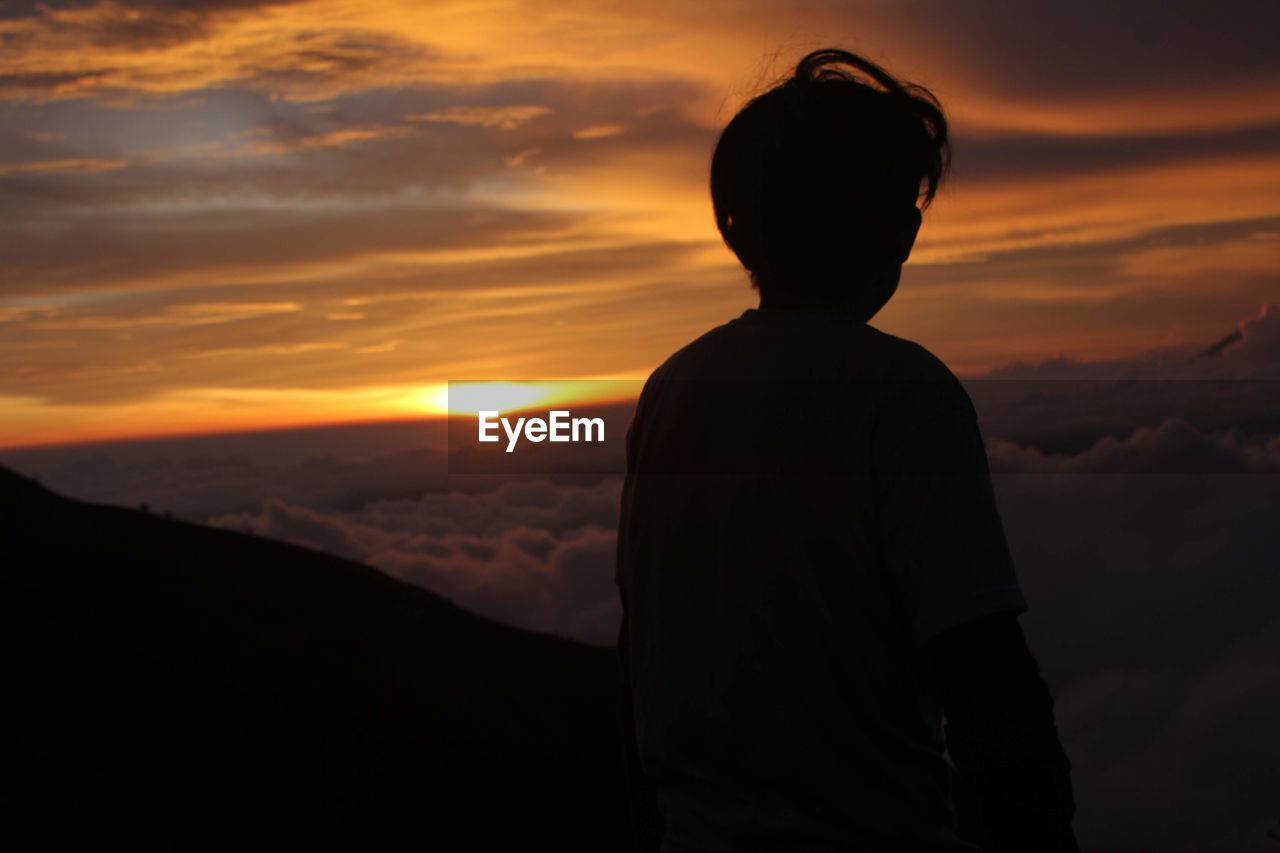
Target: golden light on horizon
x,y
472,397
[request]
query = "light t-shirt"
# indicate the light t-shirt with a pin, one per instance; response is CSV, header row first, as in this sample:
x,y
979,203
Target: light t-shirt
x,y
807,503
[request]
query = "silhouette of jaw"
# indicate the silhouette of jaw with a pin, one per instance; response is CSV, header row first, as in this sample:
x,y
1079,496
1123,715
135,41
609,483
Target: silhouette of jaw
x,y
860,297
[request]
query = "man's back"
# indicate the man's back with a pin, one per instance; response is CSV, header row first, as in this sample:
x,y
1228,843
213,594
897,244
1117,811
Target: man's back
x,y
807,503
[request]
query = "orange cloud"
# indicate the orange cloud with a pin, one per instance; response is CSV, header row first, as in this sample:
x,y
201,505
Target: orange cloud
x,y
80,164
502,117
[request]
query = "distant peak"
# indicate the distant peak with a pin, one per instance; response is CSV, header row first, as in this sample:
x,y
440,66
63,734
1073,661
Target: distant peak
x,y
1216,350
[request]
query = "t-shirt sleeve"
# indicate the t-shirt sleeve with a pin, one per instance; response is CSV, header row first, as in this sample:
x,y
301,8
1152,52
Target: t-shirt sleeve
x,y
940,532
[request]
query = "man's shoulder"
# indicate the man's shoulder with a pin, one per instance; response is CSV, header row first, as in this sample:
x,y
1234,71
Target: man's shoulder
x,y
856,353
915,374
672,365
904,358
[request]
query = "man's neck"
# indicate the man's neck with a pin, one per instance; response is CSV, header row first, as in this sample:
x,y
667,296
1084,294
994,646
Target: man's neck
x,y
779,303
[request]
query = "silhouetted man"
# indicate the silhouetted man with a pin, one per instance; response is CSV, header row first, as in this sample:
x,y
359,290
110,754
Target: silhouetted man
x,y
812,569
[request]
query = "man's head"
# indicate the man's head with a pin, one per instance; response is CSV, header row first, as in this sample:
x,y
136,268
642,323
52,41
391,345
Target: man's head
x,y
816,183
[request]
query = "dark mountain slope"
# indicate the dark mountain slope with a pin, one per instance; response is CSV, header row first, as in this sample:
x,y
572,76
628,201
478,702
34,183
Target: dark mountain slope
x,y
164,677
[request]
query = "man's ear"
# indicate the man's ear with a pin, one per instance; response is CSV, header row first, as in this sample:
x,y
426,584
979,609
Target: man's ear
x,y
907,235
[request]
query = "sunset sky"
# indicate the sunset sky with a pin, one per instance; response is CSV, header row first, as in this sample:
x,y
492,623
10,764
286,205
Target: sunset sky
x,y
238,214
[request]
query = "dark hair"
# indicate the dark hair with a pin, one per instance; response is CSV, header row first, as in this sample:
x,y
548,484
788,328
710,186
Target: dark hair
x,y
816,166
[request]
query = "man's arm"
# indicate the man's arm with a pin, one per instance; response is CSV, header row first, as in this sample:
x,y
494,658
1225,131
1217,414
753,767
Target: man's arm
x,y
1001,734
648,824
644,802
